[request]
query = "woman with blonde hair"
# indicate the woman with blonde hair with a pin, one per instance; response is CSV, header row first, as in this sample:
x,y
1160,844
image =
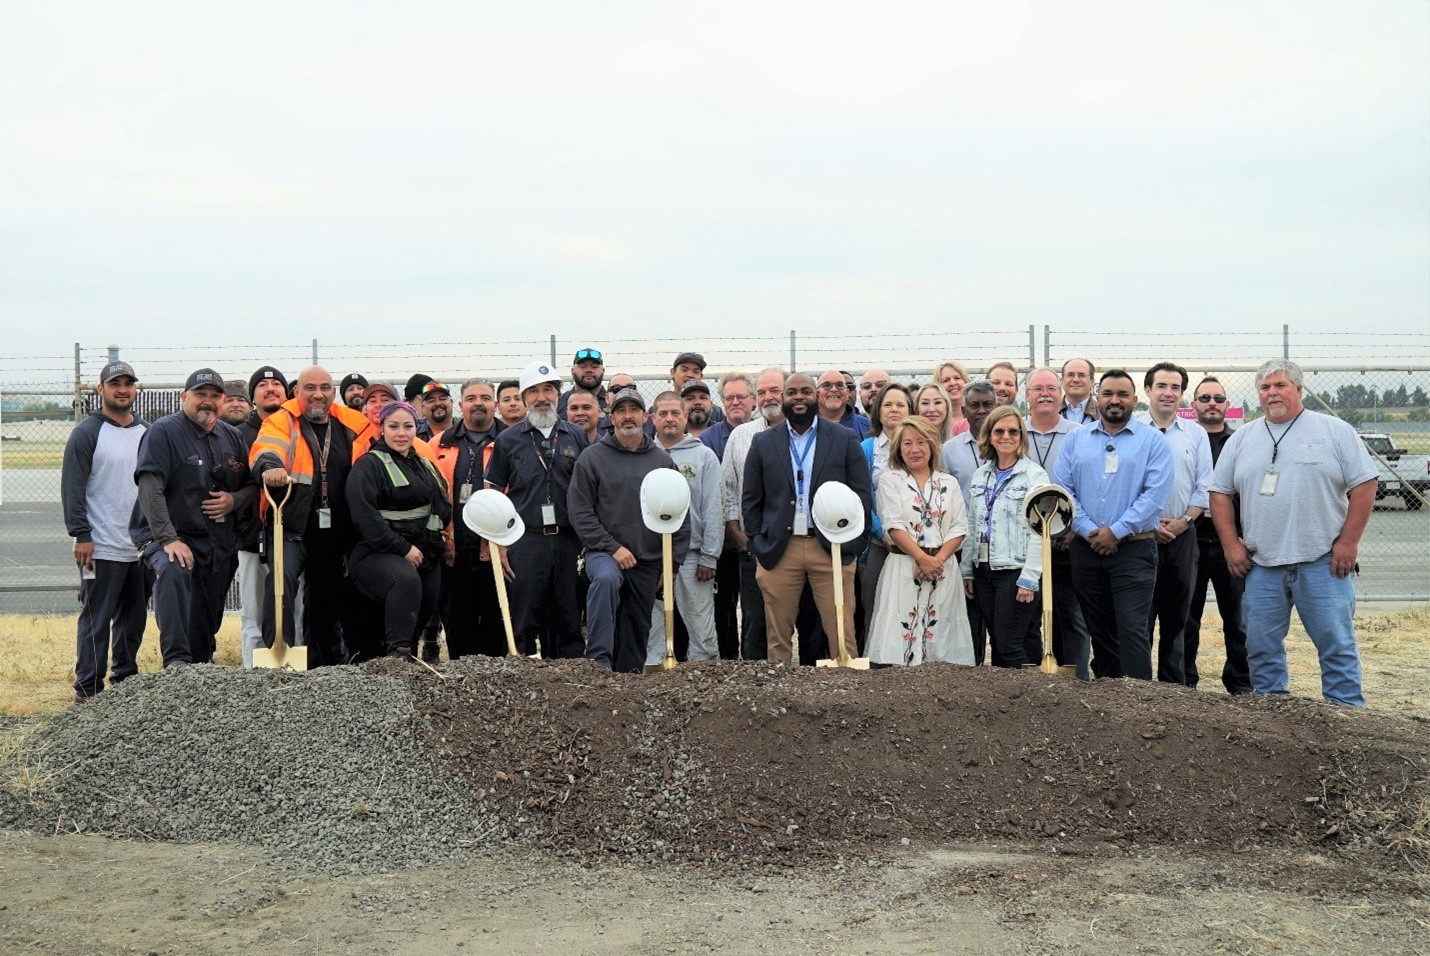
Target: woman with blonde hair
x,y
1002,566
918,612
953,376
931,403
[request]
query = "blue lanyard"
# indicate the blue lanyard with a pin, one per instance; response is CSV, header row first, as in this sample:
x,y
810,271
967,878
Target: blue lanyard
x,y
799,455
991,499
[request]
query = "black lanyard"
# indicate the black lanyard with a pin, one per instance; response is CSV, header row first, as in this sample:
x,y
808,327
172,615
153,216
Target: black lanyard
x,y
1276,442
1043,455
546,457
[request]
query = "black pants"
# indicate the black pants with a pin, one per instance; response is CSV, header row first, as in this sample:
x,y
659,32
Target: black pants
x,y
314,563
1014,628
1176,578
1071,644
543,596
633,609
979,629
474,621
112,617
407,595
1211,569
754,644
189,604
727,599
1115,592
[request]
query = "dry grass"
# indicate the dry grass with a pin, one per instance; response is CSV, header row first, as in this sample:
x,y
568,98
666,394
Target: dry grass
x,y
37,666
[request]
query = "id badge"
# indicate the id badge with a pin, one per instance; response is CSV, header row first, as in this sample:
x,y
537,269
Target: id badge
x,y
983,552
464,492
548,514
1110,467
1268,482
801,524
325,518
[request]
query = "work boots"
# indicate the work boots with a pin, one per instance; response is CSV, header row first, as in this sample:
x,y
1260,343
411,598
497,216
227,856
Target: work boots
x,y
431,649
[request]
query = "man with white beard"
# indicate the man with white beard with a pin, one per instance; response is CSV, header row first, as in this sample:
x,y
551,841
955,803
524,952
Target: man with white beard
x,y
769,400
533,462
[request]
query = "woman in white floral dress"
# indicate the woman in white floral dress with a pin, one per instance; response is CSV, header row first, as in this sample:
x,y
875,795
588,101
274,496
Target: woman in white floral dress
x,y
919,613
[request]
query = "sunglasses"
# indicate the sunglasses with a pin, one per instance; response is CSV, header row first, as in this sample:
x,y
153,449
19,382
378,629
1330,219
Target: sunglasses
x,y
1209,399
592,355
1007,432
832,387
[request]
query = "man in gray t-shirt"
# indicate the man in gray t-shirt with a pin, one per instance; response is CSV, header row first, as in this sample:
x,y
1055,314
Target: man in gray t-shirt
x,y
1306,486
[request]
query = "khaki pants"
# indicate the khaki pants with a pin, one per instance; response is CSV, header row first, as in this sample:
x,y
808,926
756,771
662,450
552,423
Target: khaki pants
x,y
803,560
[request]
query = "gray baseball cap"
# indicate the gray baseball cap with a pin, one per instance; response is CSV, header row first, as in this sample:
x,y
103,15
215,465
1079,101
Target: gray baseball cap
x,y
114,370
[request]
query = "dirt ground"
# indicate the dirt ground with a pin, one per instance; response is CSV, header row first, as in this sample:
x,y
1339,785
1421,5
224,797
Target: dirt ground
x,y
1176,882
88,895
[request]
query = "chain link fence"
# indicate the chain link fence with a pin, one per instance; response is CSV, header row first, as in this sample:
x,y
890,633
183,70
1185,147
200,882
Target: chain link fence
x,y
1379,383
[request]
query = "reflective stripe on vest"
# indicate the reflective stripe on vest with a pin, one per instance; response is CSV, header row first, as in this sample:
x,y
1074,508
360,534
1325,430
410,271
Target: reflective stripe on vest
x,y
399,480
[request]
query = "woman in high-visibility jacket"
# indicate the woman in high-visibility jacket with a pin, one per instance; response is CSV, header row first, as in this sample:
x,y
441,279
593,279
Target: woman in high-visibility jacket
x,y
399,504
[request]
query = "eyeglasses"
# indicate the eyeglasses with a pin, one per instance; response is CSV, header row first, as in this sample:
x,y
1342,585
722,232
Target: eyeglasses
x,y
588,355
832,387
1006,432
1210,399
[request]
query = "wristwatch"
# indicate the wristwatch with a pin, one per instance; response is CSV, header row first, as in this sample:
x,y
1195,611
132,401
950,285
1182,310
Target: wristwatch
x,y
1187,517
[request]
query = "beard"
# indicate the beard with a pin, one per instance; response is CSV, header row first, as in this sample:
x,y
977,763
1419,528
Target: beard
x,y
698,417
771,413
799,419
356,403
236,417
541,418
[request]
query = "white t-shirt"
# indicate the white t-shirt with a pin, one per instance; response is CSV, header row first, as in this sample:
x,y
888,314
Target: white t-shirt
x,y
1320,459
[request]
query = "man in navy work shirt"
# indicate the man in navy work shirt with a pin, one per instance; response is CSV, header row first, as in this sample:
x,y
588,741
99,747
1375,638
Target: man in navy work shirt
x,y
532,462
192,474
1119,472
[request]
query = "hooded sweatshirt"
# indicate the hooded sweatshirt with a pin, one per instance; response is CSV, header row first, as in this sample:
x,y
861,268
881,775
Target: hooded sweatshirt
x,y
700,466
604,501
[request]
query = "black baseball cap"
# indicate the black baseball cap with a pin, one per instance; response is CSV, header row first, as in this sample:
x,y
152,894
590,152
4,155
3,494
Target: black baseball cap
x,y
204,376
588,355
694,385
629,394
114,370
691,358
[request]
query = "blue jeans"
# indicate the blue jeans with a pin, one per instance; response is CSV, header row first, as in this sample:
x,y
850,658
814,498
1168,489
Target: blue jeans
x,y
1326,604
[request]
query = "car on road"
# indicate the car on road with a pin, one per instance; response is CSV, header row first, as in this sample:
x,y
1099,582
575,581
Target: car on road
x,y
1401,473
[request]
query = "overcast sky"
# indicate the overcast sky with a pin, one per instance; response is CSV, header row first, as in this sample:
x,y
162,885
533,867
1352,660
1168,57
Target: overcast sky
x,y
207,173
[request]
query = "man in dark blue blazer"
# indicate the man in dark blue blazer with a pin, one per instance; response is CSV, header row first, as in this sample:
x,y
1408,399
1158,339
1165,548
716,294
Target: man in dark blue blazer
x,y
783,471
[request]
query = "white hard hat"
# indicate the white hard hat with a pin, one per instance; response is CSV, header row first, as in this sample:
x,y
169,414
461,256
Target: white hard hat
x,y
536,373
838,512
1050,501
490,514
665,498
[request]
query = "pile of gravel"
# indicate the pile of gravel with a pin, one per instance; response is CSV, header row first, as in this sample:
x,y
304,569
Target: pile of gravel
x,y
320,769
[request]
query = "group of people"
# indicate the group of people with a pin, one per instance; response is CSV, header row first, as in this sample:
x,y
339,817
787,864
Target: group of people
x,y
378,561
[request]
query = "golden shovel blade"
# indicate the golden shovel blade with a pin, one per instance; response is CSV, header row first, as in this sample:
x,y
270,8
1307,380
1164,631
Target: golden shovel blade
x,y
280,657
666,665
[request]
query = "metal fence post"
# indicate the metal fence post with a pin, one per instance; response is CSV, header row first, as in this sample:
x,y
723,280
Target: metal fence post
x,y
792,352
1286,342
78,386
1032,347
1047,345
553,351
315,351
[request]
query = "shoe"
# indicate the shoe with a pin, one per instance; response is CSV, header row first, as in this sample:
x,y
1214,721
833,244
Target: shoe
x,y
82,698
431,652
399,653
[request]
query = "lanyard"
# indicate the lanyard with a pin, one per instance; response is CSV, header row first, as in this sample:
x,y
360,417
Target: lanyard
x,y
1276,442
323,461
799,455
990,498
545,456
474,450
1043,455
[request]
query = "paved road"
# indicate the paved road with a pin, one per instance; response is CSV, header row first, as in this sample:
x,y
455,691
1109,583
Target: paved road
x,y
35,552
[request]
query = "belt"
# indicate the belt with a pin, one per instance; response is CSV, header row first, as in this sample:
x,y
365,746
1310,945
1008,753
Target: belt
x,y
1141,537
895,549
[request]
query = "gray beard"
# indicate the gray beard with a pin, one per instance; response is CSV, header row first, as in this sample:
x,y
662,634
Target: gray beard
x,y
772,414
541,420
699,418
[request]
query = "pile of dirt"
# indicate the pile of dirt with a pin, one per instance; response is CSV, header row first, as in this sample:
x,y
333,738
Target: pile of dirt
x,y
719,764
756,763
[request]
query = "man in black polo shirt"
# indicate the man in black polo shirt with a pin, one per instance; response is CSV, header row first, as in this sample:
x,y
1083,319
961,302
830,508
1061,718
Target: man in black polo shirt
x,y
192,474
532,463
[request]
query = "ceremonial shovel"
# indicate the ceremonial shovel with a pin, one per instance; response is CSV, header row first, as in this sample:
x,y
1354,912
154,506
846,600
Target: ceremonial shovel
x,y
280,654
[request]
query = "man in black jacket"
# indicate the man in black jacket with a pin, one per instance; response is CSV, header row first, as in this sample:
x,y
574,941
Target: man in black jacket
x,y
97,493
623,556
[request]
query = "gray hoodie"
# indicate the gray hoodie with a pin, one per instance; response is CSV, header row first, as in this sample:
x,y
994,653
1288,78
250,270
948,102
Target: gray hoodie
x,y
604,501
700,466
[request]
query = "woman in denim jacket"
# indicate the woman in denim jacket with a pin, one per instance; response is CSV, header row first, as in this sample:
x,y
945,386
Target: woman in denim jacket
x,y
1003,559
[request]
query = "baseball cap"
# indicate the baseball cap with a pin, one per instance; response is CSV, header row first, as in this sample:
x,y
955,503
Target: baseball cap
x,y
627,395
236,388
692,358
414,386
695,385
204,376
587,355
265,373
436,386
377,388
114,370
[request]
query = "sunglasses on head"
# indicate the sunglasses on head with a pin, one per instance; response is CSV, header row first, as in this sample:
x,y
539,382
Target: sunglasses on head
x,y
1208,399
593,355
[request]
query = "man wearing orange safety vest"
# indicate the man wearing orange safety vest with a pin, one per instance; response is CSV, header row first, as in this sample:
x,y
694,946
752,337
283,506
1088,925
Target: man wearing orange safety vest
x,y
469,595
313,439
